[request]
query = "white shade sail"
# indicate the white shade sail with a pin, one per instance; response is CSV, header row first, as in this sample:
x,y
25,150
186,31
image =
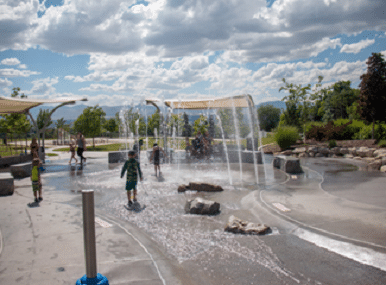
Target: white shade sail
x,y
243,101
9,105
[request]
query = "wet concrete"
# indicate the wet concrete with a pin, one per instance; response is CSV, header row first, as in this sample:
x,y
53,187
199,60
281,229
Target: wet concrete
x,y
211,256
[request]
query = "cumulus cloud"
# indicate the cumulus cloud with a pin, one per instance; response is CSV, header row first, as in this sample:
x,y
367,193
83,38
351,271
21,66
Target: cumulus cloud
x,y
289,29
4,82
357,47
43,86
10,72
10,61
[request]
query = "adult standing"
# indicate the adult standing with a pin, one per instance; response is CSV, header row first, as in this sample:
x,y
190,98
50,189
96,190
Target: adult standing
x,y
34,148
81,146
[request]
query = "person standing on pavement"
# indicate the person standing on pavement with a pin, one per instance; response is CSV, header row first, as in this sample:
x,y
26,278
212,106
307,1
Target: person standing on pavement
x,y
81,147
133,170
137,149
35,178
72,150
155,156
34,148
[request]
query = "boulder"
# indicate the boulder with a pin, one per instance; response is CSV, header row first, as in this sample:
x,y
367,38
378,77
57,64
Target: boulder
x,y
344,150
304,154
383,168
383,160
201,206
313,149
299,150
369,159
236,225
357,158
374,166
205,187
365,152
287,164
380,152
6,184
183,188
370,152
324,150
335,150
348,155
352,151
319,154
312,154
286,152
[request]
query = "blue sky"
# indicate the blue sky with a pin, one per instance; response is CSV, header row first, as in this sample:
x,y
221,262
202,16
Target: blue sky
x,y
113,51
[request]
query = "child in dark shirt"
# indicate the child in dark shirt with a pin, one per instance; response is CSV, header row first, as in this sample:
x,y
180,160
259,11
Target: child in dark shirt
x,y
133,170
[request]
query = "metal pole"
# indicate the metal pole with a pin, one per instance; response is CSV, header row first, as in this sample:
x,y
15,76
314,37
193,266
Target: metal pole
x,y
89,232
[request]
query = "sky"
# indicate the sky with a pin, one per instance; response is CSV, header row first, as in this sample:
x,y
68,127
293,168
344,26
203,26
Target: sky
x,y
119,52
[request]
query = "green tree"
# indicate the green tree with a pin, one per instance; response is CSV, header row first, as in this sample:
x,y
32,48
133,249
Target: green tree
x,y
269,117
176,121
90,122
111,125
201,124
372,99
15,123
60,124
43,122
153,122
187,128
297,103
338,99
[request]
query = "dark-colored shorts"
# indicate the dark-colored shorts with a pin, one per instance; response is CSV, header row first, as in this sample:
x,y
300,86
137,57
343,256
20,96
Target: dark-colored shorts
x,y
131,185
35,186
156,161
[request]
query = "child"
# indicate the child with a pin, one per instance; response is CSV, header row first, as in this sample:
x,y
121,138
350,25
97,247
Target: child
x,y
35,178
72,150
155,156
133,169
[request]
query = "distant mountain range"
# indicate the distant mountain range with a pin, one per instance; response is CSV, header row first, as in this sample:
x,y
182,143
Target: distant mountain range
x,y
70,113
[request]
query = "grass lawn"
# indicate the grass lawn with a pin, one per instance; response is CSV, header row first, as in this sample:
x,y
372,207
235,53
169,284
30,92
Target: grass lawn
x,y
11,150
51,154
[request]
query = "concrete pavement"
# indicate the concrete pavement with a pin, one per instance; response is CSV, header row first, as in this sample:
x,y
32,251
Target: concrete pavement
x,y
44,244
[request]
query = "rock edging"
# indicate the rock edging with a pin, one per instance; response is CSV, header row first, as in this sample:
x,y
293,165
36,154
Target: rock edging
x,y
376,158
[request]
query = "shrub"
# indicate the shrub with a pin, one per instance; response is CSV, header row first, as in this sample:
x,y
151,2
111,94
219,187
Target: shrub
x,y
331,143
349,132
326,132
382,143
365,132
285,136
309,126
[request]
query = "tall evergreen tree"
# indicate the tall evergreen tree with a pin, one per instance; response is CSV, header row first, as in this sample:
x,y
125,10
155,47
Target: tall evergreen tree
x,y
372,99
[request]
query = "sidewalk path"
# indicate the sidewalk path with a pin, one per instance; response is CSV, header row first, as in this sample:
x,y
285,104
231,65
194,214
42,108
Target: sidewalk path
x,y
44,245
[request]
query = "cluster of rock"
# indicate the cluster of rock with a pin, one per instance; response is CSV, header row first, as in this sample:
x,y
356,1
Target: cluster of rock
x,y
201,206
200,187
236,225
376,158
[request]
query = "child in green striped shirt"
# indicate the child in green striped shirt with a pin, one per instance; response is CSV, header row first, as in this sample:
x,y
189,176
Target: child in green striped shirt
x,y
133,170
